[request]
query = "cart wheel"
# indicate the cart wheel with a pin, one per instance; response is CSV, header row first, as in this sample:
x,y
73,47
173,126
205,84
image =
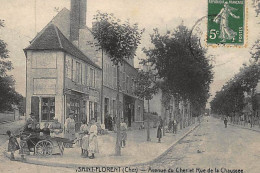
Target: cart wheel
x,y
43,148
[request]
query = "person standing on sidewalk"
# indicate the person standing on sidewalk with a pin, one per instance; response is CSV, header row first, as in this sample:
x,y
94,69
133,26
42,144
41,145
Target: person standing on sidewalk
x,y
225,122
173,126
24,149
12,144
56,128
93,144
123,128
70,127
84,139
159,130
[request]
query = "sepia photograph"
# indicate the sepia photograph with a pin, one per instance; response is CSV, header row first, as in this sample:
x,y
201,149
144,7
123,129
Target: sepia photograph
x,y
130,86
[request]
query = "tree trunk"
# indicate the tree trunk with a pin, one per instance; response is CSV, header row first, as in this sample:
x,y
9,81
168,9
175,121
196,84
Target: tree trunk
x,y
118,133
148,122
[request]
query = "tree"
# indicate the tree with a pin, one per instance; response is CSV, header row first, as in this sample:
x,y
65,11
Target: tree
x,y
181,62
8,95
120,41
255,50
231,99
5,65
145,89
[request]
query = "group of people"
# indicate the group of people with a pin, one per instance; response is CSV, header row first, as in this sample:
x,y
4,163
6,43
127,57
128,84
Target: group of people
x,y
172,126
88,139
31,130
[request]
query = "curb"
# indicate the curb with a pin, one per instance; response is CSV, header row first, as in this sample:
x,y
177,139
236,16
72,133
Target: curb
x,y
245,128
34,162
170,148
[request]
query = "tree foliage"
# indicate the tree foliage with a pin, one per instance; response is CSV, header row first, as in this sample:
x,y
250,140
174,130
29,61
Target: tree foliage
x,y
186,73
255,50
8,95
145,85
119,40
231,98
5,65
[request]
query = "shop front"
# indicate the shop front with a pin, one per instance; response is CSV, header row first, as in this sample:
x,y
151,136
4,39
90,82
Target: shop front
x,y
76,103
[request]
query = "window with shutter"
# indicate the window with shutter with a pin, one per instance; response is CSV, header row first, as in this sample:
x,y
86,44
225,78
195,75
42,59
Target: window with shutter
x,y
48,108
35,106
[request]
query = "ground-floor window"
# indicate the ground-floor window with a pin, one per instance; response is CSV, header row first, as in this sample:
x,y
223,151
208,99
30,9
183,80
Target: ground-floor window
x,y
114,108
48,108
95,111
90,110
106,107
75,109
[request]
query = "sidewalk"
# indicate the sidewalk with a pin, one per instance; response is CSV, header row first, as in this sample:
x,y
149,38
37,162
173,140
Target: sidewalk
x,y
137,150
14,127
248,127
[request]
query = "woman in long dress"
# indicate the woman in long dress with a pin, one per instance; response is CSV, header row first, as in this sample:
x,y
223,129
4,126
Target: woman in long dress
x,y
84,138
93,144
123,128
159,130
70,127
56,131
225,31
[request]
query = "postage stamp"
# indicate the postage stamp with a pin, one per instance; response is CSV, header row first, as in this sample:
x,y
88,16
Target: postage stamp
x,y
226,22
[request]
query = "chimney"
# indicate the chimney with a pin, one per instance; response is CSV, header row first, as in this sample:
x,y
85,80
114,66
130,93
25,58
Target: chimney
x,y
78,12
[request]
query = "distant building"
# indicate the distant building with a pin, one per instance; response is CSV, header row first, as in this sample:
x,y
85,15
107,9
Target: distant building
x,y
64,74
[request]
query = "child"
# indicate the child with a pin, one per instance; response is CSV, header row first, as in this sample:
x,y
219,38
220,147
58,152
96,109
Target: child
x,y
37,129
24,146
46,130
12,144
85,145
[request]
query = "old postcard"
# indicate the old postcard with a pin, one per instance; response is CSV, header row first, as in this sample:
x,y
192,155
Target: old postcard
x,y
138,86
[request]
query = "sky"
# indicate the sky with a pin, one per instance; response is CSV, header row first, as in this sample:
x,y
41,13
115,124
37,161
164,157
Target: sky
x,y
21,26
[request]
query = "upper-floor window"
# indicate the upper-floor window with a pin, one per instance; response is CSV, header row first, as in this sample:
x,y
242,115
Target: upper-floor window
x,y
44,60
127,83
68,67
91,77
133,85
114,78
124,81
76,71
86,75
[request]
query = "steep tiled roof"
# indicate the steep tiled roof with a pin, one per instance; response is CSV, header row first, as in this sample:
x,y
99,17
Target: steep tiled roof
x,y
51,38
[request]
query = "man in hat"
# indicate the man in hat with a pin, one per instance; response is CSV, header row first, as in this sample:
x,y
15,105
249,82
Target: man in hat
x,y
32,120
70,127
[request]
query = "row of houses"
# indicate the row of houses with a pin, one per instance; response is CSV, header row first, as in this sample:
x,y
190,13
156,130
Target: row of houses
x,y
64,74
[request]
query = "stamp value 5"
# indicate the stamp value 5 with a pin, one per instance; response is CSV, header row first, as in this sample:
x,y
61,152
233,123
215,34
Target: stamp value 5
x,y
226,22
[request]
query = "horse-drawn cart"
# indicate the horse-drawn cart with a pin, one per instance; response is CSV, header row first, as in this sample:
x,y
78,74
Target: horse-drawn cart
x,y
44,145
